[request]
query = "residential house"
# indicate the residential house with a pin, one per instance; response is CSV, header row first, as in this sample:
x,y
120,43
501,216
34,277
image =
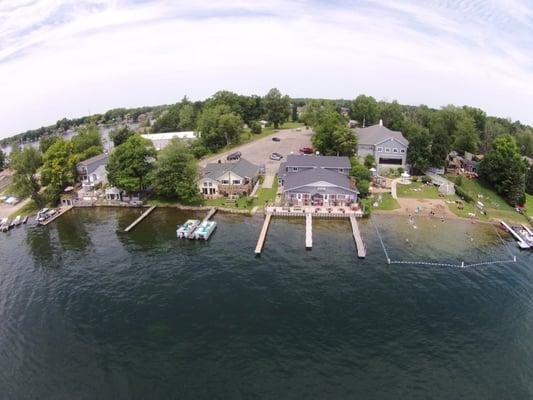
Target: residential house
x,y
317,180
92,171
388,147
161,140
228,179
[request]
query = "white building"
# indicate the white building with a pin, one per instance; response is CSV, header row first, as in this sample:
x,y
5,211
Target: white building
x,y
161,140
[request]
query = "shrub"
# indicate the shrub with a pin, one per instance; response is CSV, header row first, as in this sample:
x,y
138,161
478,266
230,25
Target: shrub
x,y
255,127
426,179
459,180
400,170
414,178
462,194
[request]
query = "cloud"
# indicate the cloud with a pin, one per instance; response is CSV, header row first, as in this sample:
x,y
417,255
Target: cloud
x,y
68,58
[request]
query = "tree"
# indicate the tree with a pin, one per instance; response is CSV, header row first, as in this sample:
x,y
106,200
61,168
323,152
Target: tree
x,y
440,143
218,127
362,176
419,151
345,141
365,110
46,141
466,136
175,173
25,165
529,183
504,169
59,168
277,107
370,161
314,110
391,114
120,135
2,160
130,163
255,127
87,143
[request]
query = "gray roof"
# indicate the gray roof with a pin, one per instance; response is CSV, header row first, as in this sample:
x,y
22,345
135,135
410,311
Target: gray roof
x,y
243,168
296,160
378,133
91,164
310,176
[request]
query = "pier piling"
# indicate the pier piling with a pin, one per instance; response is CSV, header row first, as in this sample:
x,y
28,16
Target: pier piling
x,y
361,250
262,235
143,216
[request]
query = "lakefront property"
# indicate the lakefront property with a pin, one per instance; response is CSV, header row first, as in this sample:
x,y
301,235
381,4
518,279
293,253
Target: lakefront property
x,y
228,179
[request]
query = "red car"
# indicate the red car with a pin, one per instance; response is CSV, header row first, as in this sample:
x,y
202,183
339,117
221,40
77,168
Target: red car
x,y
307,150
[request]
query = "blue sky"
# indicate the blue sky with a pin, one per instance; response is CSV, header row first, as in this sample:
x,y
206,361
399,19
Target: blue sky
x,y
71,58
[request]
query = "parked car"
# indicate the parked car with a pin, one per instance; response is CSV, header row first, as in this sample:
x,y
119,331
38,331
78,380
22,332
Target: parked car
x,y
276,156
276,139
234,156
307,150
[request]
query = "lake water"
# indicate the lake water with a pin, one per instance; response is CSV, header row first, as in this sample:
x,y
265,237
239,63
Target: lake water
x,y
90,312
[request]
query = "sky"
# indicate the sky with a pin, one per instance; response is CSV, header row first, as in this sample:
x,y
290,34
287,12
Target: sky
x,y
73,58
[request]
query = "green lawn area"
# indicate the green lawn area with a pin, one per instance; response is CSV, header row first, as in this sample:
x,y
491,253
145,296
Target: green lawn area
x,y
386,203
529,205
28,209
423,191
263,196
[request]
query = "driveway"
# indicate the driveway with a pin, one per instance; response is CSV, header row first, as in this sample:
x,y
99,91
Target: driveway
x,y
258,151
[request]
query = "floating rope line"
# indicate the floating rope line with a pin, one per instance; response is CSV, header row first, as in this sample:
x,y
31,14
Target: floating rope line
x,y
448,265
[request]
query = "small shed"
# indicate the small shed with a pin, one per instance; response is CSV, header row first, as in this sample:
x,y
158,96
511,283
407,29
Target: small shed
x,y
447,189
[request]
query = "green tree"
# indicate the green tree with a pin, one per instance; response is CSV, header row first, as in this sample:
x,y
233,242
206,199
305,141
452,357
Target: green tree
x,y
46,141
466,136
218,127
345,141
529,183
2,160
419,151
175,173
365,110
87,142
277,107
120,135
25,165
255,127
391,114
504,169
362,176
370,161
130,163
441,143
59,168
314,110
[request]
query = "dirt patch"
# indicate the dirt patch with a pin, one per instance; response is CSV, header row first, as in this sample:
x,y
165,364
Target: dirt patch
x,y
426,207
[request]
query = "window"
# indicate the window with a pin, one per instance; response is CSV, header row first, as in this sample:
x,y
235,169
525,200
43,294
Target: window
x,y
236,182
205,183
294,169
387,149
225,182
380,149
210,184
395,150
402,151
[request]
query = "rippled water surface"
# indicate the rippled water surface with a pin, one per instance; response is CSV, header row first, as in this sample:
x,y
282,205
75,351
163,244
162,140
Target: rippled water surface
x,y
89,312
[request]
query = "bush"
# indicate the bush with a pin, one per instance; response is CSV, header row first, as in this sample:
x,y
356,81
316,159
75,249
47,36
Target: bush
x,y
255,127
400,170
459,180
364,187
462,194
414,178
426,179
198,149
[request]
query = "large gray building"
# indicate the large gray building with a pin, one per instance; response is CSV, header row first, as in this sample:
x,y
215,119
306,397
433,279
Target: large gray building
x,y
388,147
317,180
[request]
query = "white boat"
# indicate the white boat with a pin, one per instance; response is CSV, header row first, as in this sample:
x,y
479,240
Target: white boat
x,y
25,219
185,230
18,220
205,229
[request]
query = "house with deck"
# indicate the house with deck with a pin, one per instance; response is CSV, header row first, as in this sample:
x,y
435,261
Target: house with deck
x,y
228,179
317,180
388,147
92,171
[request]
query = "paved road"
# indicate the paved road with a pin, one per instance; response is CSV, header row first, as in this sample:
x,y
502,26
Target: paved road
x,y
258,151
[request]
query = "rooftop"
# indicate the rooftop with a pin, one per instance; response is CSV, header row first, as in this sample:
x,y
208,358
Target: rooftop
x,y
243,168
297,160
378,133
311,176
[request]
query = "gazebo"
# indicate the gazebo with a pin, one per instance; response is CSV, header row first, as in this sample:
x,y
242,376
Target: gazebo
x,y
406,178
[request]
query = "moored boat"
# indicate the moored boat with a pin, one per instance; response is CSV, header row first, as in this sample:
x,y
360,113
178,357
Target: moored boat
x,y
185,230
205,229
18,220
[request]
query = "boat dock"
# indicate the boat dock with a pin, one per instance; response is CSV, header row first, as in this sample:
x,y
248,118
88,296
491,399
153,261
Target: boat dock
x,y
527,229
57,215
143,216
361,250
209,215
521,242
308,231
262,235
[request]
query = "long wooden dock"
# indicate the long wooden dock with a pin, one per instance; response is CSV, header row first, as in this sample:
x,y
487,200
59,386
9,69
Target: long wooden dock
x,y
361,250
262,235
143,216
57,215
308,231
211,212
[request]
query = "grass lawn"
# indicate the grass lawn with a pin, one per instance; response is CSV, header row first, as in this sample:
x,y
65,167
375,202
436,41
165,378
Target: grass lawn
x,y
387,202
263,196
28,209
529,205
425,192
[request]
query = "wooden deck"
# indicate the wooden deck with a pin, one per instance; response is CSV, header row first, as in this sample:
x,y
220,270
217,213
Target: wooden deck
x,y
211,212
361,250
262,235
143,216
61,211
308,231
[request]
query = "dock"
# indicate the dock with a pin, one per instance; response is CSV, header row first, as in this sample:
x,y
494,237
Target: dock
x,y
57,215
209,215
361,250
143,216
262,235
521,242
308,231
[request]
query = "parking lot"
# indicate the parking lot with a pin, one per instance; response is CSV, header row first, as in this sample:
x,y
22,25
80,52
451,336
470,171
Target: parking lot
x,y
259,151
